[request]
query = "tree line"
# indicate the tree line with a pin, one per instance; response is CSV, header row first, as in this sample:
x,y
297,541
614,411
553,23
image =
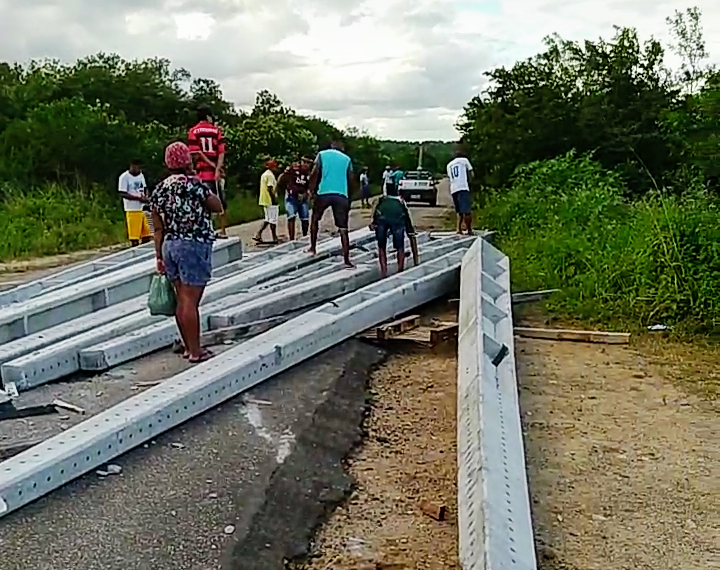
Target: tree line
x,y
79,125
616,99
599,166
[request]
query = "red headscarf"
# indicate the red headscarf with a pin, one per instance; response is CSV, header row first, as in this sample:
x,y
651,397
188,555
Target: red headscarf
x,y
177,156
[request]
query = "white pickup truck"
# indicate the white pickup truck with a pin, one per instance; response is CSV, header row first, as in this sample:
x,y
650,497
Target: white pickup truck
x,y
418,186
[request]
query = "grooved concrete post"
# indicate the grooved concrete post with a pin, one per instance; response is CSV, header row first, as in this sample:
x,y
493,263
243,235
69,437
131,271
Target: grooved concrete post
x,y
495,526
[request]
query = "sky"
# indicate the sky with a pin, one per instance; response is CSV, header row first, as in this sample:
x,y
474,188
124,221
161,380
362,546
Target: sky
x,y
399,69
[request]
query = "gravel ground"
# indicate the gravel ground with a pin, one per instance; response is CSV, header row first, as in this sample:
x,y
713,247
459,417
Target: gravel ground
x,y
408,457
622,463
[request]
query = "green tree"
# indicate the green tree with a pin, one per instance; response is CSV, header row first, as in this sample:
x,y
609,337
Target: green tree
x,y
601,97
687,31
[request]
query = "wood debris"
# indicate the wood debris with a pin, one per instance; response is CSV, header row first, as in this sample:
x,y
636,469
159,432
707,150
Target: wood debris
x,y
70,407
409,329
433,510
573,335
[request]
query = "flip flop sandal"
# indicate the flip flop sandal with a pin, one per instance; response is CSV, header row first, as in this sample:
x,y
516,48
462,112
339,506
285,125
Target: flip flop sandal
x,y
204,356
257,239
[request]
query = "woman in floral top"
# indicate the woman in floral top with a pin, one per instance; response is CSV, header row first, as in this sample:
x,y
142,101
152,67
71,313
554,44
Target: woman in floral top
x,y
181,208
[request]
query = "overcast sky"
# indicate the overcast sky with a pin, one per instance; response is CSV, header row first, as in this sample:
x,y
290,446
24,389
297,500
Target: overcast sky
x,y
398,68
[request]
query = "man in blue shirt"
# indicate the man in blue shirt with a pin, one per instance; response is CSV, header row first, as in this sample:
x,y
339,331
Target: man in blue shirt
x,y
331,183
398,176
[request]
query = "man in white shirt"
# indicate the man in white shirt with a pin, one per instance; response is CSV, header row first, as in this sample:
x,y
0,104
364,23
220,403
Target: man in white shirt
x,y
387,175
133,189
365,188
460,171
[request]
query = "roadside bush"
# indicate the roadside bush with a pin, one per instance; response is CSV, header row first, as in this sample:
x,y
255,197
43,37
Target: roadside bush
x,y
52,219
565,224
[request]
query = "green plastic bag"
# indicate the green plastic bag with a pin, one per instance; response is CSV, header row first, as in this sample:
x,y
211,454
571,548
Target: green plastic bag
x,y
161,300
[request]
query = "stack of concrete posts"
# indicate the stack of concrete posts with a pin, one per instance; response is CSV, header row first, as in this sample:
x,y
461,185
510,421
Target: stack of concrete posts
x,y
96,319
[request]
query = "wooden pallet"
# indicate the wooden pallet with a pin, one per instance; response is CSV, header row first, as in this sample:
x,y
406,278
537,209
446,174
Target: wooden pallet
x,y
409,329
395,328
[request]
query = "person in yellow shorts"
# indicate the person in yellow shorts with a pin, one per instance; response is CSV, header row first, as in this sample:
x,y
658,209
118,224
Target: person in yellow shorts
x,y
133,189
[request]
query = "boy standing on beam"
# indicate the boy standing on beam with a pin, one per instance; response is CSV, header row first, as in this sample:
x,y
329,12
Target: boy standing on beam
x,y
392,217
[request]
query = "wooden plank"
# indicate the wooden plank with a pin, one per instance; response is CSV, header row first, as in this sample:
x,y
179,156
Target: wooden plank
x,y
530,296
443,332
578,336
399,326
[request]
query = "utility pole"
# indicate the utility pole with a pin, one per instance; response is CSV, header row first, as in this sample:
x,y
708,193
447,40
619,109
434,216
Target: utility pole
x,y
420,157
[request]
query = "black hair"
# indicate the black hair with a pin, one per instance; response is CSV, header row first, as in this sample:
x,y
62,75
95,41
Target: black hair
x,y
203,112
136,162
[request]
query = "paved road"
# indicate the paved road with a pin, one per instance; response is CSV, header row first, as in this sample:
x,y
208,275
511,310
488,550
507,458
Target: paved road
x,y
270,470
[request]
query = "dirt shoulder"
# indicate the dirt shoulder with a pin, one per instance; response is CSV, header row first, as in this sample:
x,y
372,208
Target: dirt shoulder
x,y
620,459
621,445
408,458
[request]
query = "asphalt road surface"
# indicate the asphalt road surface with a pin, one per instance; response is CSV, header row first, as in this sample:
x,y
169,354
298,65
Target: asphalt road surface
x,y
240,487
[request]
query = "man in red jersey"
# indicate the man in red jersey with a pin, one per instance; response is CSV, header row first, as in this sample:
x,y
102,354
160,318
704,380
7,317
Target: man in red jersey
x,y
294,181
207,145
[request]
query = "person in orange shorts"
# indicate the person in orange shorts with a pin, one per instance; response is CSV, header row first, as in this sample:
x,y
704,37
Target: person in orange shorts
x,y
133,189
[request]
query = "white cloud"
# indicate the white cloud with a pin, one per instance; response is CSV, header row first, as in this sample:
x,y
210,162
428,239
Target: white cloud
x,y
399,68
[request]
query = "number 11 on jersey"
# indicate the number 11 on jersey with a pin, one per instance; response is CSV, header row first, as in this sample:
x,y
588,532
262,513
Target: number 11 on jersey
x,y
206,144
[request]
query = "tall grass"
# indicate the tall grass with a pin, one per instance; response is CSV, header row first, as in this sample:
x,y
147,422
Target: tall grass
x,y
565,223
52,219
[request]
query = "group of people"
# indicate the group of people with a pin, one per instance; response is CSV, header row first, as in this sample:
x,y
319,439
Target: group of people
x,y
391,178
178,212
310,187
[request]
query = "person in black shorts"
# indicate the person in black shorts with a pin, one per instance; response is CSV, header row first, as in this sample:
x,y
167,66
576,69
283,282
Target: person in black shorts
x,y
331,183
391,218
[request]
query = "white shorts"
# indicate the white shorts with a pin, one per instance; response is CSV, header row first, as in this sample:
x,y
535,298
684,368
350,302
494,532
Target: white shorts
x,y
271,214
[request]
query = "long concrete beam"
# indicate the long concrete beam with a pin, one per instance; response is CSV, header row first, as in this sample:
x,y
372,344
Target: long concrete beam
x,y
494,522
72,275
82,448
67,303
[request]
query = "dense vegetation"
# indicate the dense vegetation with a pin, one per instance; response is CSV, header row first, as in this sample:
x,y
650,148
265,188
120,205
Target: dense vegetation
x,y
599,168
68,131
